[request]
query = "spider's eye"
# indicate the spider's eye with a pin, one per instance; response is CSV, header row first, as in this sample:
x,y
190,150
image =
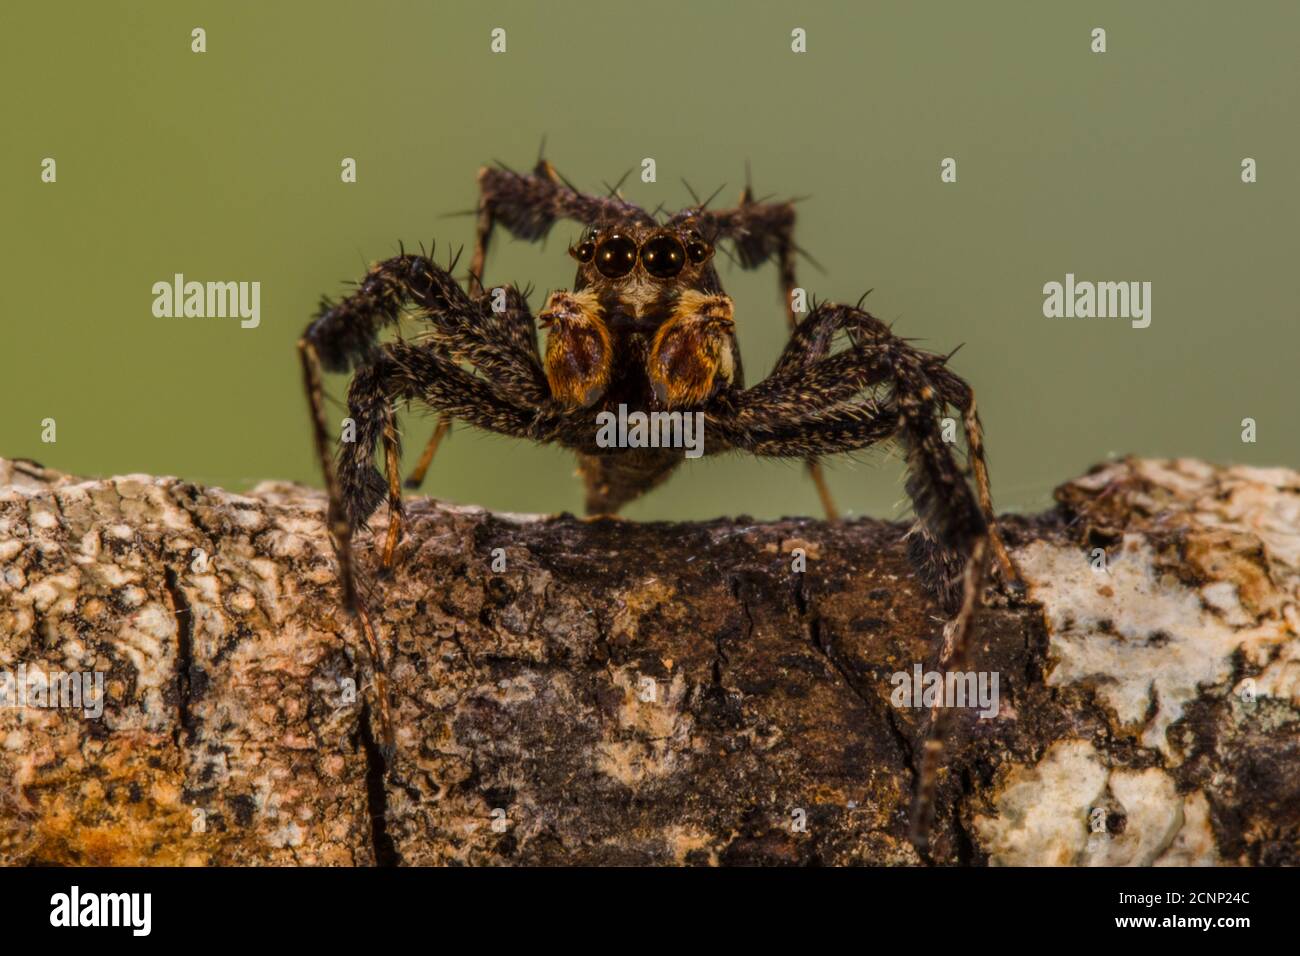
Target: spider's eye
x,y
616,256
663,257
698,249
584,251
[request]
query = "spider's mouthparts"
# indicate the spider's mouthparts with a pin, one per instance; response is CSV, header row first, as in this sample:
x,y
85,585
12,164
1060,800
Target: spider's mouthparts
x,y
626,322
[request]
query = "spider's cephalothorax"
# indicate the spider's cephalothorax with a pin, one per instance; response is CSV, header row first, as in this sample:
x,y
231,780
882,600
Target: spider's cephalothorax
x,y
646,328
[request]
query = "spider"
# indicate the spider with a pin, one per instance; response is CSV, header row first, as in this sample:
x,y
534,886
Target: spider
x,y
646,326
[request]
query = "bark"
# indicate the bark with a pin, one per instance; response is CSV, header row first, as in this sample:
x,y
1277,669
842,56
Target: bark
x,y
622,693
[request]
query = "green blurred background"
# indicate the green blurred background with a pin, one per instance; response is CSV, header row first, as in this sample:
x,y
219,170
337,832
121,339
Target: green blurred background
x,y
225,166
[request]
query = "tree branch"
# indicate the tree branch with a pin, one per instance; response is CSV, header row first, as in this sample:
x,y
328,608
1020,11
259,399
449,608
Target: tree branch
x,y
645,693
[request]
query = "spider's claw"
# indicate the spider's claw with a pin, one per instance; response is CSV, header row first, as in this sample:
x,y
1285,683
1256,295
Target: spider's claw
x,y
1008,575
1017,590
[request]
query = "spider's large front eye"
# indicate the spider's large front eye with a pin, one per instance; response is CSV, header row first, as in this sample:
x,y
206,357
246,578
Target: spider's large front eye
x,y
616,256
663,257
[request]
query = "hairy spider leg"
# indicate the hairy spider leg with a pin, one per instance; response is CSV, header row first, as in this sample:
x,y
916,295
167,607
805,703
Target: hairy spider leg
x,y
807,405
339,530
344,335
527,204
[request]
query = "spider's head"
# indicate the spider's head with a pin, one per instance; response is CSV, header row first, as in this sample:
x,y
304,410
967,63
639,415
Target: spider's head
x,y
639,280
639,268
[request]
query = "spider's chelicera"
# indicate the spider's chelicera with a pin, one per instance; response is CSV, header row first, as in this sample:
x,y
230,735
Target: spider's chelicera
x,y
646,328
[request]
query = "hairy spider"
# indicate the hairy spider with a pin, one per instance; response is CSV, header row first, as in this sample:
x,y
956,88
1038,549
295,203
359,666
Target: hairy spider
x,y
646,326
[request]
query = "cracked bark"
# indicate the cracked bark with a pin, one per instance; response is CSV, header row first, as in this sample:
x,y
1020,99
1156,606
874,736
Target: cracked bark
x,y
657,693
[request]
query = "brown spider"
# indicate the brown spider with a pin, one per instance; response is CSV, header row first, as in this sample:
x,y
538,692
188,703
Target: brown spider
x,y
647,327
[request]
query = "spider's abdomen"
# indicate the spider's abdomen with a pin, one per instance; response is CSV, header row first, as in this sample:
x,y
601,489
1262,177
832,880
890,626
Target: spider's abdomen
x,y
614,480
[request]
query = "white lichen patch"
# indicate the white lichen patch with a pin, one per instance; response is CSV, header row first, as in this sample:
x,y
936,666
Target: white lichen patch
x,y
1042,812
1133,633
1193,845
1153,815
1147,642
146,639
1064,812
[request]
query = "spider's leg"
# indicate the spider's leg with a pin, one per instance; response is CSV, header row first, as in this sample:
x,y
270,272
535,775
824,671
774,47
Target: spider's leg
x,y
979,467
527,204
800,389
383,694
847,428
953,656
483,224
427,372
344,333
336,522
392,463
963,397
340,536
951,532
762,232
401,371
805,406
